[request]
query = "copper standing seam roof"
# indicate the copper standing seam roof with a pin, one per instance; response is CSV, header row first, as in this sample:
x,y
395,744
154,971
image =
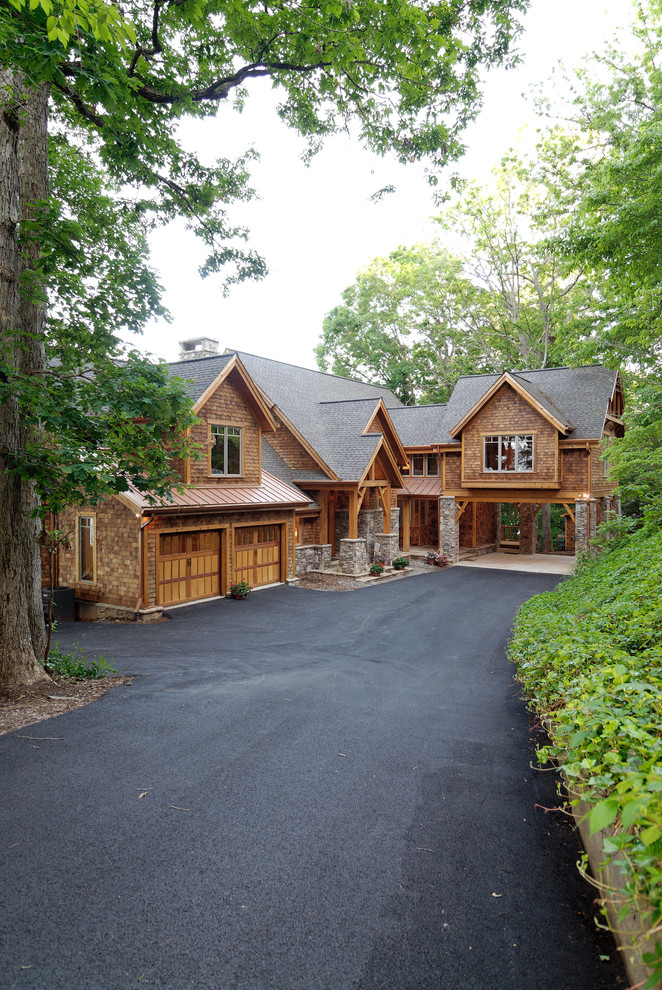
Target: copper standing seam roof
x,y
422,486
272,493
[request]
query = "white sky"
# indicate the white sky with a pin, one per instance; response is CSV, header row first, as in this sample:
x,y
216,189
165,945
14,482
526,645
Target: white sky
x,y
316,226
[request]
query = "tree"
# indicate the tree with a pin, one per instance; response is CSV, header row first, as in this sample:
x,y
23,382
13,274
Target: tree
x,y
116,84
636,459
504,298
406,323
602,168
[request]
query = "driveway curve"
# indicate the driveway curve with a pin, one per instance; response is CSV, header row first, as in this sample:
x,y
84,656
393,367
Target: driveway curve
x,y
300,791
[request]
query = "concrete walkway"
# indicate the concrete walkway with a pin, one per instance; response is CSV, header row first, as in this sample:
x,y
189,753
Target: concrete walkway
x,y
536,563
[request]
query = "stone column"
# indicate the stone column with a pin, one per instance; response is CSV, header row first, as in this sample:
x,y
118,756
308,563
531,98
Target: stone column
x,y
353,557
449,529
370,522
581,525
605,509
386,546
528,530
592,519
616,504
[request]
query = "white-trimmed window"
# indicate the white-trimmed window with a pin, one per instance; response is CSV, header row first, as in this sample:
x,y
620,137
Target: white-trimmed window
x,y
225,452
511,452
86,549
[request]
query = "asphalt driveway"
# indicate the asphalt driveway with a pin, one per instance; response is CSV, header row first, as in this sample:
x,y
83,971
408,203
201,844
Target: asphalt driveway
x,y
302,791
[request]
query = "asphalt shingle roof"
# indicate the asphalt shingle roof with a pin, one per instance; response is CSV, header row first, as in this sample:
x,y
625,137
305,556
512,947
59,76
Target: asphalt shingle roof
x,y
332,412
199,373
275,465
329,411
419,426
578,397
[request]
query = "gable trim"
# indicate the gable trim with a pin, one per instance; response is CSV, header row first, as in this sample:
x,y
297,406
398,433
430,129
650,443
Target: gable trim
x,y
258,407
507,379
396,479
393,439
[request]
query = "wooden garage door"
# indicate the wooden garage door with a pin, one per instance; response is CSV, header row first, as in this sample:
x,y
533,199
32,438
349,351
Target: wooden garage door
x,y
256,558
188,567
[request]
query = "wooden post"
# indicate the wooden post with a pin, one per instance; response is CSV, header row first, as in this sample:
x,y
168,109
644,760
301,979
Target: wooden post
x,y
353,515
385,498
323,499
332,521
404,520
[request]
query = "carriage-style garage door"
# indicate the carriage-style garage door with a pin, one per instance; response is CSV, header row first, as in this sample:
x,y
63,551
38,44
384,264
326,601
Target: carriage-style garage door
x,y
256,558
188,567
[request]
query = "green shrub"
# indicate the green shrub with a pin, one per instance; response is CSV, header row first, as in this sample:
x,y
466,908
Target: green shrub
x,y
74,665
400,563
589,656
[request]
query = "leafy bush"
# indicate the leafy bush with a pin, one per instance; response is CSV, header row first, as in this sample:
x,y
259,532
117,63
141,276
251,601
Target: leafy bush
x,y
74,665
400,563
589,656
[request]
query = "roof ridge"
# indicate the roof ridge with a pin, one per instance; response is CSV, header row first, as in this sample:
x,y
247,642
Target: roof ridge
x,y
337,402
315,371
209,357
537,371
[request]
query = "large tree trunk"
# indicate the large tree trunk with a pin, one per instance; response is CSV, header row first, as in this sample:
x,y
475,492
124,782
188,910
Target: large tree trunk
x,y
33,177
19,560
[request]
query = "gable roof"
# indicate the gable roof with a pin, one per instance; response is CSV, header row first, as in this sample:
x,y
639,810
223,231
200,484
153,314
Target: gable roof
x,y
331,413
528,392
579,397
203,376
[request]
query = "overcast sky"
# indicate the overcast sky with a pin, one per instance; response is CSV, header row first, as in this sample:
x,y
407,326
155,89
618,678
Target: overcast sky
x,y
316,226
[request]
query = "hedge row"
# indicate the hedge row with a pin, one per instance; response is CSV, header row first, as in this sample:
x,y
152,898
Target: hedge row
x,y
589,656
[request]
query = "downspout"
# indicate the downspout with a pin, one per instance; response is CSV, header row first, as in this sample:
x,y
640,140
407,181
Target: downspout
x,y
141,569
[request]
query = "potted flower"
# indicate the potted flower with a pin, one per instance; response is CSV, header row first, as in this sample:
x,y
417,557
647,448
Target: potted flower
x,y
240,590
400,563
442,559
377,566
431,557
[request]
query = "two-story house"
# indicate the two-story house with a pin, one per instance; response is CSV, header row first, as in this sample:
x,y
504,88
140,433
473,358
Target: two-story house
x,y
301,467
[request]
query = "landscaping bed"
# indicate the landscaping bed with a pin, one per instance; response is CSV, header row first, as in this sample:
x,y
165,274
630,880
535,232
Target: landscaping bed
x,y
589,656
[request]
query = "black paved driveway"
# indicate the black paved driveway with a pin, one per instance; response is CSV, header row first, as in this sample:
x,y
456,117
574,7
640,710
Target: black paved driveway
x,y
304,790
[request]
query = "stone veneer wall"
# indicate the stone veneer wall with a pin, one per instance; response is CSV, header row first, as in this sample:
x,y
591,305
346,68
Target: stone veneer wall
x,y
581,525
386,546
371,522
449,529
313,557
353,556
370,528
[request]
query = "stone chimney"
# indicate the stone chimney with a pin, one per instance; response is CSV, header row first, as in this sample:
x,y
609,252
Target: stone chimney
x,y
197,347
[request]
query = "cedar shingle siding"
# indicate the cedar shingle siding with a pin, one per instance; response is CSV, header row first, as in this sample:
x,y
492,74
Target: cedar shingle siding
x,y
508,413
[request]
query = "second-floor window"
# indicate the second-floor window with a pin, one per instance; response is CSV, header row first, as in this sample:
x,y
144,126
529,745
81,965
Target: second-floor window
x,y
422,465
225,454
508,453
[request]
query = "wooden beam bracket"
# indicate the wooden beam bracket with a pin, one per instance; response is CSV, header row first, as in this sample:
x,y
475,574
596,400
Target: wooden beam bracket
x,y
460,513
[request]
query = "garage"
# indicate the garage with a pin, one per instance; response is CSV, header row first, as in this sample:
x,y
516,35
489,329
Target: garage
x,y
256,557
188,567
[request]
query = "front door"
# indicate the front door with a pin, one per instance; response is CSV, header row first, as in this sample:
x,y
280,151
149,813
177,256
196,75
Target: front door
x,y
188,567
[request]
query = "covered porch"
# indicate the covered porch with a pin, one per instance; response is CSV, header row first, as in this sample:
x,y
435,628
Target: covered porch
x,y
358,519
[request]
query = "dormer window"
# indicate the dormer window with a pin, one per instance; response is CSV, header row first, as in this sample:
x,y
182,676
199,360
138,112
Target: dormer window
x,y
508,453
225,452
